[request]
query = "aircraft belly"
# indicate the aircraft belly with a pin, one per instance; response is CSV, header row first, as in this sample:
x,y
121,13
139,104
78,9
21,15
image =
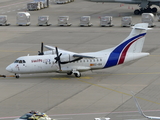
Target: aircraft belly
x,y
70,67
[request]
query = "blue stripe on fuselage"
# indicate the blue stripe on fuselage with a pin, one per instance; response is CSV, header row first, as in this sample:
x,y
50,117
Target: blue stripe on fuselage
x,y
114,56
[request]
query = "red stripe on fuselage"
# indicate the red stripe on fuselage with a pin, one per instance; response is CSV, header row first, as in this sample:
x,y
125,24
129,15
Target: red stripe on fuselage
x,y
124,52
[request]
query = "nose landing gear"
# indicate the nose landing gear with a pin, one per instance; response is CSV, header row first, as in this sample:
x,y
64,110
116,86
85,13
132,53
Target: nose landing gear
x,y
16,76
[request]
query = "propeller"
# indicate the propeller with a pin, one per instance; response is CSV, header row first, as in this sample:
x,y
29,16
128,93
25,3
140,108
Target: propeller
x,y
58,58
41,52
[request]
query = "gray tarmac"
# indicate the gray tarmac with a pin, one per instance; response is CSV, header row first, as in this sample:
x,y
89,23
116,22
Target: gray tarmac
x,y
101,93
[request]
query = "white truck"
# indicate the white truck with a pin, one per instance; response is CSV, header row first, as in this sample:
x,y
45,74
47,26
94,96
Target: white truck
x,y
3,20
64,21
23,18
85,21
45,2
43,20
148,18
106,21
34,6
126,21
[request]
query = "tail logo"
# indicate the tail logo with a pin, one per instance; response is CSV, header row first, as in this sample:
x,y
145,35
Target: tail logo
x,y
118,55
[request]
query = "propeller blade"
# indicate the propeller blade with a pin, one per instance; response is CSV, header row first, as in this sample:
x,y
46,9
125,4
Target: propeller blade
x,y
58,58
41,52
56,51
42,47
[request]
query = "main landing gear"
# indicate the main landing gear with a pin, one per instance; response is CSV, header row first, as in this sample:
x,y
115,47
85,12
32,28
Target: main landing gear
x,y
147,10
75,72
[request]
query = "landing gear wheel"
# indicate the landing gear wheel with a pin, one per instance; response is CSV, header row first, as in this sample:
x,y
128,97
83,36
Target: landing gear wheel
x,y
77,75
70,73
154,10
137,12
17,76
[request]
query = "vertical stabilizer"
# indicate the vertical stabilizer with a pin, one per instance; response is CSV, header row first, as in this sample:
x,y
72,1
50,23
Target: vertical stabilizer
x,y
132,44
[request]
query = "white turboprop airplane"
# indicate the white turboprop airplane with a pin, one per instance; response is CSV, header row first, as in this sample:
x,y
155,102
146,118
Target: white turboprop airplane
x,y
145,5
141,112
62,61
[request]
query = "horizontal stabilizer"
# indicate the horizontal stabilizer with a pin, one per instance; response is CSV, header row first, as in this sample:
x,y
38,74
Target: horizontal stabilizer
x,y
142,26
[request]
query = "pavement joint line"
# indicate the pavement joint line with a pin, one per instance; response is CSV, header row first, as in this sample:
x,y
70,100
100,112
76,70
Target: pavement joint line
x,y
13,4
118,91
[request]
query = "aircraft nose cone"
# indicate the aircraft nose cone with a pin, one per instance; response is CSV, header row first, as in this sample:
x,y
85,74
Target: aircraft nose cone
x,y
8,68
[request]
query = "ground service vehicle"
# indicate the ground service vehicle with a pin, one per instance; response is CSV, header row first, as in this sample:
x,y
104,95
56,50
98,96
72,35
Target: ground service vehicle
x,y
23,18
34,6
45,2
34,116
3,20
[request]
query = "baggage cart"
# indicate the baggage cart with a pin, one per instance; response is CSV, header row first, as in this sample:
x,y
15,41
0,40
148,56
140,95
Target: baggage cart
x,y
34,6
23,18
43,20
44,2
64,21
41,5
106,21
126,21
85,21
3,20
148,18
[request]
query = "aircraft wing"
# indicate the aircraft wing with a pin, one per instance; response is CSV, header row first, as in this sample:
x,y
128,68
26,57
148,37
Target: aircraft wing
x,y
141,112
69,52
53,48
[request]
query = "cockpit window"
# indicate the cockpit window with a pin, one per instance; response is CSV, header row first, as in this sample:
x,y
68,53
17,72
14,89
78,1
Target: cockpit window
x,y
16,61
24,61
20,61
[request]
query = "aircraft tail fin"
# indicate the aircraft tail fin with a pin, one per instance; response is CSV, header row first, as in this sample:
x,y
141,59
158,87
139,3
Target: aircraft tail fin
x,y
134,42
130,48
